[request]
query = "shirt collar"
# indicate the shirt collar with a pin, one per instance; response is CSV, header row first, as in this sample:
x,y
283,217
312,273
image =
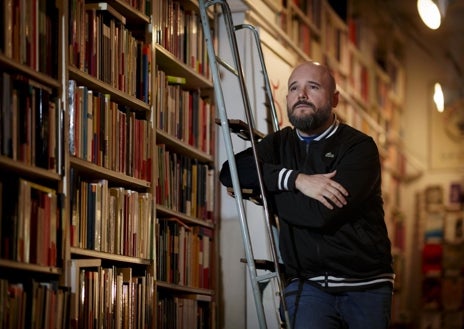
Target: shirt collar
x,y
325,134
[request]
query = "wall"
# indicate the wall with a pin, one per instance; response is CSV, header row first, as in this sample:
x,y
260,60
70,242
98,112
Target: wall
x,y
422,71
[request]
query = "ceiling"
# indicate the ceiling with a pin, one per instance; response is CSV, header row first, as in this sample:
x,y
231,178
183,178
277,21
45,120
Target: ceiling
x,y
444,44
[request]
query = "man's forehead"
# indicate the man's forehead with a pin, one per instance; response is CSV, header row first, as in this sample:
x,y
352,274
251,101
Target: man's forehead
x,y
309,73
305,73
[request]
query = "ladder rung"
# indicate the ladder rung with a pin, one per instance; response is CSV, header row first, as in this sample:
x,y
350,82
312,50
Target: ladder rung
x,y
262,264
240,128
248,194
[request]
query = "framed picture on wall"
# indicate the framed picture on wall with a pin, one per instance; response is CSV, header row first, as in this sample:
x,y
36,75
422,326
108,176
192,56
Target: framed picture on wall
x,y
447,136
434,195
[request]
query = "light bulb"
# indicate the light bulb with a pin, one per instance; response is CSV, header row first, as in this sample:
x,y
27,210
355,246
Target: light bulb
x,y
439,98
429,13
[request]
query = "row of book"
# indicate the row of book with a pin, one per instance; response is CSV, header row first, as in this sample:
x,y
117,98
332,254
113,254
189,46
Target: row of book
x,y
143,6
438,320
443,292
26,34
111,219
185,185
311,9
442,263
440,257
101,45
359,78
184,311
108,134
110,297
184,255
182,113
30,229
304,37
444,226
29,121
179,31
34,304
380,90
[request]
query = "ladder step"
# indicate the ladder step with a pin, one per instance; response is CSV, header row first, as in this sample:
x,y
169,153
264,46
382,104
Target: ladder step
x,y
248,194
240,128
262,264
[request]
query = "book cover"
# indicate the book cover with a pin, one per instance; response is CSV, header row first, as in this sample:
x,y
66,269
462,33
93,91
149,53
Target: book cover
x,y
434,226
53,136
72,86
430,320
77,269
432,293
432,257
42,127
453,319
454,227
452,292
453,257
6,115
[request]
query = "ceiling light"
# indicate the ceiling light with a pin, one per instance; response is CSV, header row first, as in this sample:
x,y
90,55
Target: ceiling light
x,y
439,98
431,12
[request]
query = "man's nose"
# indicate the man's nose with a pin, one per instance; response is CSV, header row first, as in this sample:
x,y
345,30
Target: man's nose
x,y
302,94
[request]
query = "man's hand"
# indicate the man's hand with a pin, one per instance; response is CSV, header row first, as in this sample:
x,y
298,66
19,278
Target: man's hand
x,y
322,188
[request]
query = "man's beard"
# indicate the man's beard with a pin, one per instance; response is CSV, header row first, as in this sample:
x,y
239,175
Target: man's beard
x,y
310,122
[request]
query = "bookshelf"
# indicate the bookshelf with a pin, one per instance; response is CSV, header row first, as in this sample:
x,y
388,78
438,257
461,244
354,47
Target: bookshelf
x,y
87,231
109,145
303,25
440,214
184,170
31,190
334,44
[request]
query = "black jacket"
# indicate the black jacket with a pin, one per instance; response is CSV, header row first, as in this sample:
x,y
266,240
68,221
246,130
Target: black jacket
x,y
349,242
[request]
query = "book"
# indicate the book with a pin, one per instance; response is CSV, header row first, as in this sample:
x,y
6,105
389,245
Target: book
x,y
432,256
454,227
453,257
126,302
432,293
6,115
434,226
176,80
43,128
78,268
452,292
72,106
37,224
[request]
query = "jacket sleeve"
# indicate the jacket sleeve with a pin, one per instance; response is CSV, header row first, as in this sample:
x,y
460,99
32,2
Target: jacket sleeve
x,y
246,169
276,178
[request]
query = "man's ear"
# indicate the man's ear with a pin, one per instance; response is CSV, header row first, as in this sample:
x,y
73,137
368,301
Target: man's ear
x,y
335,98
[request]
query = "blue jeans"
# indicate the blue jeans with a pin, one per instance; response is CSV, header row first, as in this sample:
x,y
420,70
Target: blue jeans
x,y
318,309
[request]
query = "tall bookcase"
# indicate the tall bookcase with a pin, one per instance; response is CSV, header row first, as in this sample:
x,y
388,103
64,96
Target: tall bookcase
x,y
109,151
107,215
185,145
440,244
32,220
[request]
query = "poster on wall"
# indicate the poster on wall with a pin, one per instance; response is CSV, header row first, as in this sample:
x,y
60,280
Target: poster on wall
x,y
447,136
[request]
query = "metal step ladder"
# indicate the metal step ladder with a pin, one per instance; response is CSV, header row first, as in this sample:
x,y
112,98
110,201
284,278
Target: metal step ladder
x,y
246,130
